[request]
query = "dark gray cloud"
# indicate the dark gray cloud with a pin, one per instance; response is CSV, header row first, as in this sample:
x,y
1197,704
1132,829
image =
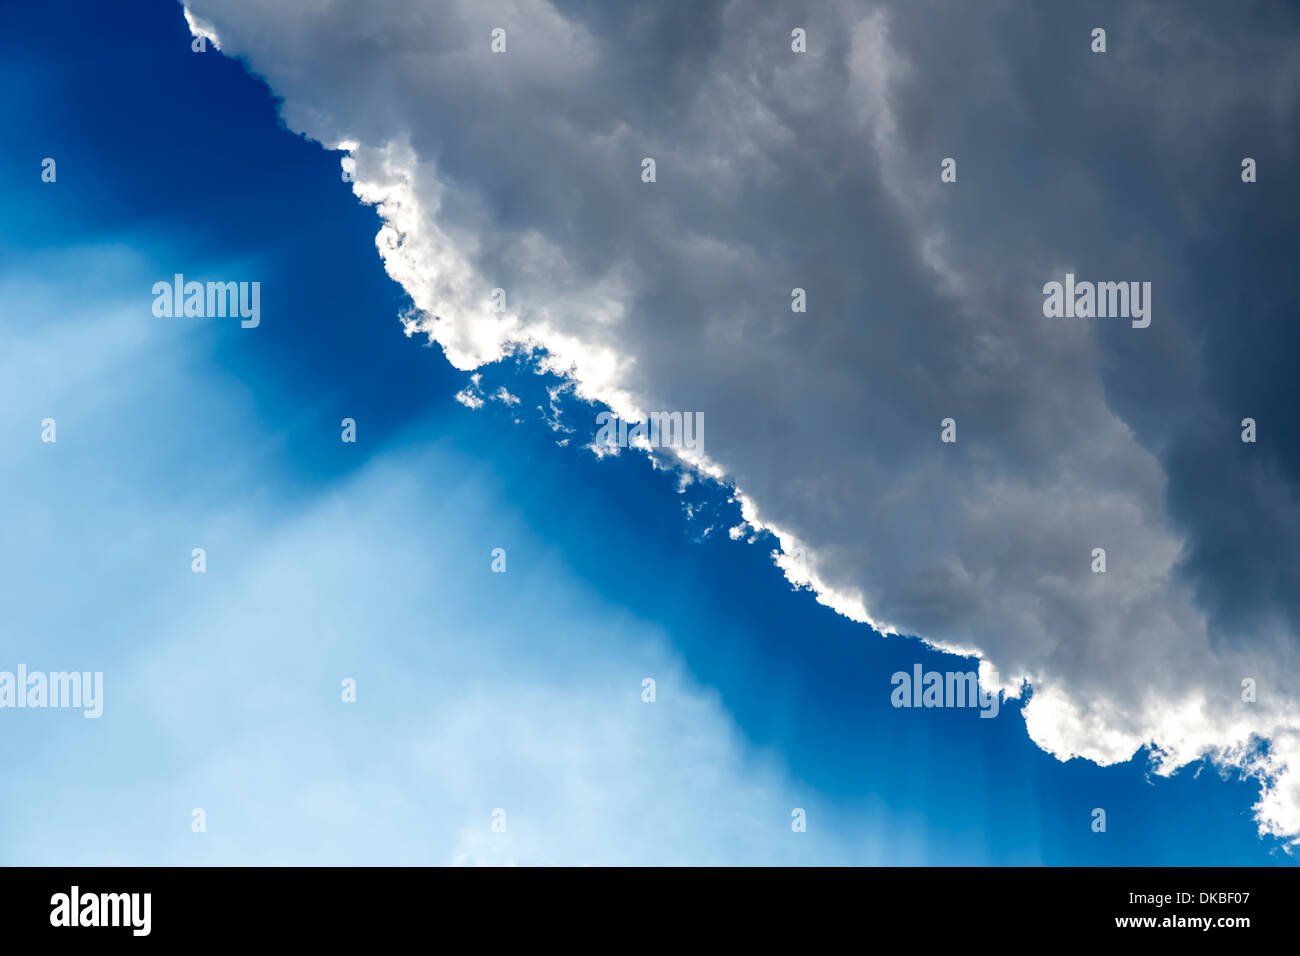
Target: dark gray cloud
x,y
821,171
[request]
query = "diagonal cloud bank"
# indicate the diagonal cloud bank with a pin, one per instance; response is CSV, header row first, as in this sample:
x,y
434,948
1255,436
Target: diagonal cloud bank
x,y
776,170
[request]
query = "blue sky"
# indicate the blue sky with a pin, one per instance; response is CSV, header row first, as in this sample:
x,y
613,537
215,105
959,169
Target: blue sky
x,y
372,560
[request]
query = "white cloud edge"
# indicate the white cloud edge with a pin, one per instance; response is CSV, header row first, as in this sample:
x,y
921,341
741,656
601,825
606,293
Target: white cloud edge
x,y
594,375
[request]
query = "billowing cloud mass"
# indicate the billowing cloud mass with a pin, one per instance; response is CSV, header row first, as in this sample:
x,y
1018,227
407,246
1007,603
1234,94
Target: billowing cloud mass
x,y
777,170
